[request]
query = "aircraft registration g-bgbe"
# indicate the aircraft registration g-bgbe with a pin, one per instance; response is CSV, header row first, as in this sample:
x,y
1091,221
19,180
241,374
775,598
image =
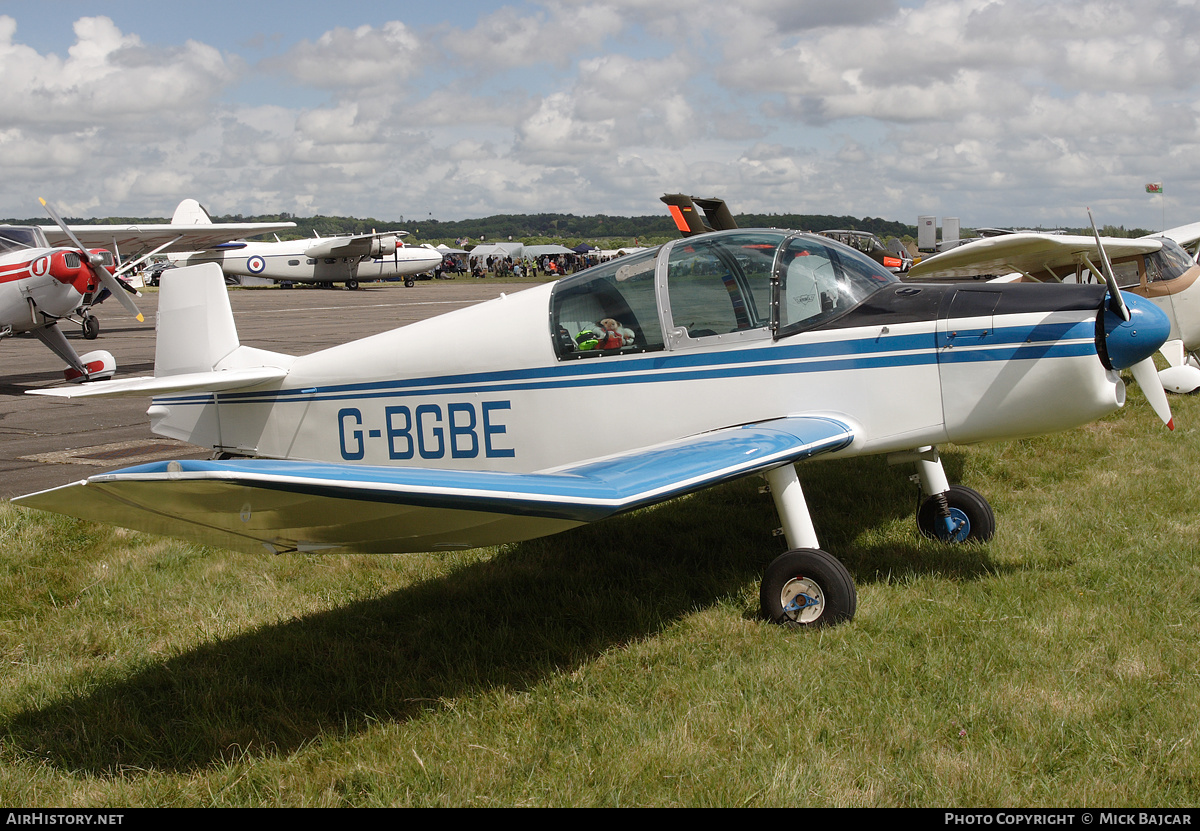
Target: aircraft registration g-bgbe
x,y
731,353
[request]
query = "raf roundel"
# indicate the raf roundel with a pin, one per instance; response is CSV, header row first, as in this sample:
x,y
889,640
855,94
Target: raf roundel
x,y
256,265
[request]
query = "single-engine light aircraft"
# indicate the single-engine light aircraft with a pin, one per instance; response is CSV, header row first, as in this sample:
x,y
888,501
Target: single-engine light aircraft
x,y
323,261
41,284
1155,267
727,354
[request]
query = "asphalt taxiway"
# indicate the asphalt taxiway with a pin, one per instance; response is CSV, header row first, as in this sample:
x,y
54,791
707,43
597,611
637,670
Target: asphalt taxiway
x,y
46,441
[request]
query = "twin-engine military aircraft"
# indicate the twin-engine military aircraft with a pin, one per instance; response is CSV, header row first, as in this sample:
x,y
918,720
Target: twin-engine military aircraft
x,y
721,354
323,261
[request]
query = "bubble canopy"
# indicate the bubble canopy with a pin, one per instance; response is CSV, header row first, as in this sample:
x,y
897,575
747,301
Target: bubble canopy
x,y
711,288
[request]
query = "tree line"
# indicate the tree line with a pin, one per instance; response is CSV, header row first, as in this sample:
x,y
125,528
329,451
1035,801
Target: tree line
x,y
648,230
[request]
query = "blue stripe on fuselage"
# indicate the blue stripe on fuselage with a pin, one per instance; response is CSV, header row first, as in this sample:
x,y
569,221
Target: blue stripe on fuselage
x,y
1029,342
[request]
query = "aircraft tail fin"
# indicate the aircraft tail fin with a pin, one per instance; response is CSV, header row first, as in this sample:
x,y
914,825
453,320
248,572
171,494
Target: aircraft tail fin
x,y
688,220
191,212
197,347
195,328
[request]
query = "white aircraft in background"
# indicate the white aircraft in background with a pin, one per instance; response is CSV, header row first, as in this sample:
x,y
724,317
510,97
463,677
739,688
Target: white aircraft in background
x,y
654,375
324,261
41,284
189,228
1155,267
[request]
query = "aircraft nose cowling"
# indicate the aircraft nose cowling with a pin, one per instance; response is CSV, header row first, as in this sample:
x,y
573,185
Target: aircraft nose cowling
x,y
1128,342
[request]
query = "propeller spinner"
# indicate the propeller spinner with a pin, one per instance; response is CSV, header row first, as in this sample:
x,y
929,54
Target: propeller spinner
x,y
102,275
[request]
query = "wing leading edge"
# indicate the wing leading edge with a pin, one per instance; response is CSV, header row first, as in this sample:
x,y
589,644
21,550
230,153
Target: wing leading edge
x,y
312,506
1024,252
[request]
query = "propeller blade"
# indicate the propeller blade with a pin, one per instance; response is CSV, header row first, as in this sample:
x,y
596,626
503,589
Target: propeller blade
x,y
115,287
1146,375
1114,293
58,220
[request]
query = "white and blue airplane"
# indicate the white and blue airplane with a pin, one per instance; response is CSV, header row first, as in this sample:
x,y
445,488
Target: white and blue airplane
x,y
730,353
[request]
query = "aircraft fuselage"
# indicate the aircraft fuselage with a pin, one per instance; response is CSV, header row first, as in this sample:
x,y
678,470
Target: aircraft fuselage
x,y
288,261
507,385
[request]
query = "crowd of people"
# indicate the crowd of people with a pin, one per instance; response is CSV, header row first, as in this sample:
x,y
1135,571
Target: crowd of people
x,y
551,266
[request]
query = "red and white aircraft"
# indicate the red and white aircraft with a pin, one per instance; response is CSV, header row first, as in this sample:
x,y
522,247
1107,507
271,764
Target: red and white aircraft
x,y
41,284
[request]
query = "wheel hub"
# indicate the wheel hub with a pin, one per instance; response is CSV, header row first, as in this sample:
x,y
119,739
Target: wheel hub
x,y
802,599
956,526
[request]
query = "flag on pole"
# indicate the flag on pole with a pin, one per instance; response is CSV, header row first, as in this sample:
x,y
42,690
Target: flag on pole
x,y
1154,187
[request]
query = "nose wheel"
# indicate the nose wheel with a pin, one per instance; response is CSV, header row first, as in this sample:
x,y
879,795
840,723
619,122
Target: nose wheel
x,y
961,514
91,327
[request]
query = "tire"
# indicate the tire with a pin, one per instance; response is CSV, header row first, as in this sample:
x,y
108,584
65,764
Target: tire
x,y
91,328
352,284
409,282
970,511
814,577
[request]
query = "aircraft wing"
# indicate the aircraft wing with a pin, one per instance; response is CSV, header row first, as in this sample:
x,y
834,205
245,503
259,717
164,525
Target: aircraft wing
x,y
1185,235
132,239
1023,252
311,506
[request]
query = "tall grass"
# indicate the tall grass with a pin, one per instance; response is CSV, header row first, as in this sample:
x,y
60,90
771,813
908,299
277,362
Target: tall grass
x,y
624,663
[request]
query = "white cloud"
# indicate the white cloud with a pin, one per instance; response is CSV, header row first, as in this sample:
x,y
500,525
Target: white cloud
x,y
346,60
1016,110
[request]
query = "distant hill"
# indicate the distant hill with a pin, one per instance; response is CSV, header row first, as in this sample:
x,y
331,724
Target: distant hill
x,y
651,229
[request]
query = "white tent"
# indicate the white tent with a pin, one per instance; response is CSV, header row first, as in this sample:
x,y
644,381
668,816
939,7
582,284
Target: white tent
x,y
535,251
499,249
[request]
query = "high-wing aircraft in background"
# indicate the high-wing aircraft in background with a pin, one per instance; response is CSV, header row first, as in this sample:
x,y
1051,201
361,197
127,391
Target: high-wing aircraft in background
x,y
41,283
190,228
657,374
1155,267
324,261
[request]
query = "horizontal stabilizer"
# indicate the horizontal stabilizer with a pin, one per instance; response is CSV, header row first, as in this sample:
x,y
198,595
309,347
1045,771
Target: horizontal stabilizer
x,y
218,381
309,506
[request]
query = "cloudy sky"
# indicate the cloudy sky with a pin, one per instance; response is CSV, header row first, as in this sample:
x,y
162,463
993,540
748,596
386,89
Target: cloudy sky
x,y
998,112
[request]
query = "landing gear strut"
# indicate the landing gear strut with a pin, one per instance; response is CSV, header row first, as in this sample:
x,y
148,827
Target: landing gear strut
x,y
804,586
950,513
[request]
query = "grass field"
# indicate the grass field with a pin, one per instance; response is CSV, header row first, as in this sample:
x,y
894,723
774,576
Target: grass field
x,y
624,663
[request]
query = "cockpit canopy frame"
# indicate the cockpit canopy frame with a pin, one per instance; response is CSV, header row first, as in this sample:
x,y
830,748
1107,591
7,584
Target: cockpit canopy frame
x,y
710,289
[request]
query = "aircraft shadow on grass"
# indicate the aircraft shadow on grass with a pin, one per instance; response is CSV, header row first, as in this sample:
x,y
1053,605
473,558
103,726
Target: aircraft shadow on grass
x,y
533,610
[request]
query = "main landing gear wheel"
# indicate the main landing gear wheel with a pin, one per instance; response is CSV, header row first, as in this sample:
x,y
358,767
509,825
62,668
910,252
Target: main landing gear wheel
x,y
352,284
807,587
970,516
91,327
409,282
